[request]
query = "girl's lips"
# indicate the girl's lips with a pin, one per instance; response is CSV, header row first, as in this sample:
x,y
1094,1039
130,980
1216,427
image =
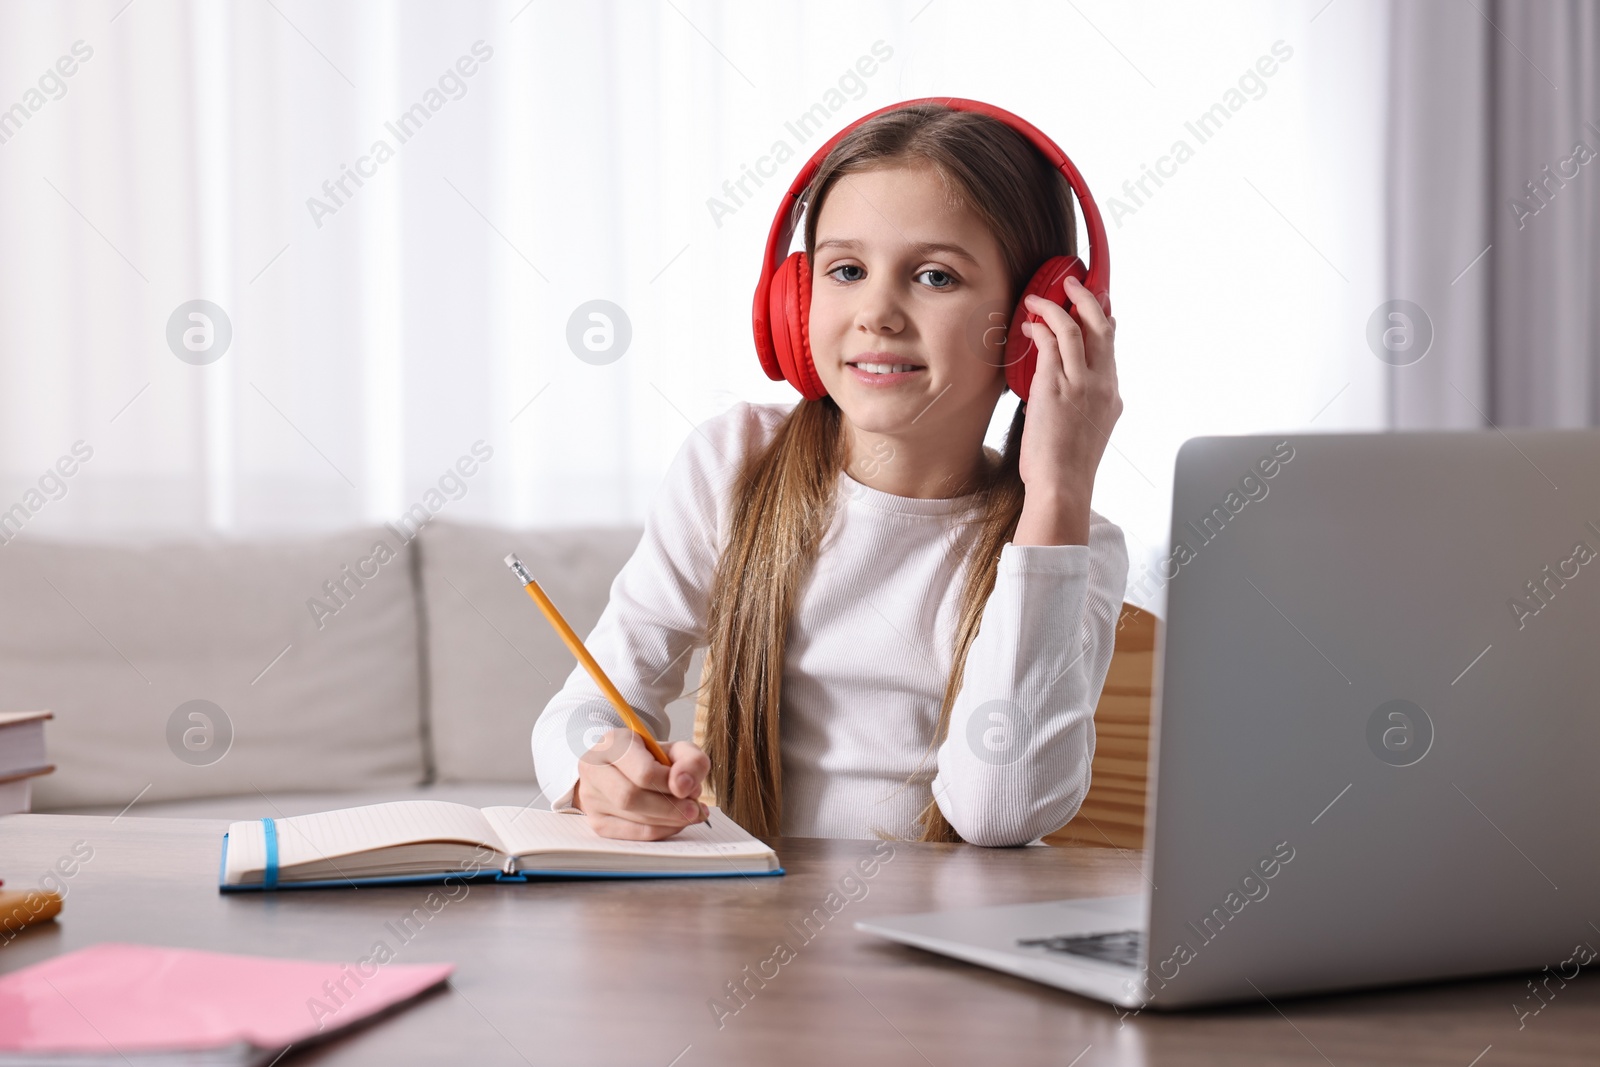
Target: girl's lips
x,y
868,378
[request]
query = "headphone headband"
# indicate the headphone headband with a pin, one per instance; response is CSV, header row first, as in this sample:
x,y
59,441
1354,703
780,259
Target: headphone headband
x,y
790,209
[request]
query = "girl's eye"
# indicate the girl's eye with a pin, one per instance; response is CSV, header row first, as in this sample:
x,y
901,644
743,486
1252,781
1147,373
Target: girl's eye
x,y
944,281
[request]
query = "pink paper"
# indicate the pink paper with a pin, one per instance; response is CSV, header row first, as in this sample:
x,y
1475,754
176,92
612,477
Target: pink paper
x,y
120,998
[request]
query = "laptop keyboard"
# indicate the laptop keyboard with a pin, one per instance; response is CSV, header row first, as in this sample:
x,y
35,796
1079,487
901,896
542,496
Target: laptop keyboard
x,y
1124,947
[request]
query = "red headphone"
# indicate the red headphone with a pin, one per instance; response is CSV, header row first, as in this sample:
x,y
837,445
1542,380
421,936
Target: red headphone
x,y
783,296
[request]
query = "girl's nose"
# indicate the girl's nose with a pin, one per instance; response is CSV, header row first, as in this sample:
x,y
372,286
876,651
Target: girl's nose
x,y
879,310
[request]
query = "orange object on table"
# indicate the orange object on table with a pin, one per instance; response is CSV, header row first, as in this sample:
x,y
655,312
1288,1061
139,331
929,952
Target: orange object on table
x,y
20,908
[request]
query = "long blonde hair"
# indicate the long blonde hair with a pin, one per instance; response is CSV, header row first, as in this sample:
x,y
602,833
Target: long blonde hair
x,y
784,498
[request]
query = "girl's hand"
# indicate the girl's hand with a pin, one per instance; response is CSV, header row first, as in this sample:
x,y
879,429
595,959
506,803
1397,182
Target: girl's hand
x,y
1072,405
628,795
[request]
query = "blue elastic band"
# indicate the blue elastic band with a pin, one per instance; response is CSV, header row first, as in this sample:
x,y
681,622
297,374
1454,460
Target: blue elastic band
x,y
269,877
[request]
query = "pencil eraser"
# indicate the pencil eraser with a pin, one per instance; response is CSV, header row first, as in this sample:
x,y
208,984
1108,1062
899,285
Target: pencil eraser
x,y
511,559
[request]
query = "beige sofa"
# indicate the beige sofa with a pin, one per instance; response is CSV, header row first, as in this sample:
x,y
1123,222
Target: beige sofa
x,y
372,664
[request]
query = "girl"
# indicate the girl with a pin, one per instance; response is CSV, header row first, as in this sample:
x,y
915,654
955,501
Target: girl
x,y
934,620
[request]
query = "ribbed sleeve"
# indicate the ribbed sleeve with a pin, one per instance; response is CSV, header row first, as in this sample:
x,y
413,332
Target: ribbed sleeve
x,y
1015,765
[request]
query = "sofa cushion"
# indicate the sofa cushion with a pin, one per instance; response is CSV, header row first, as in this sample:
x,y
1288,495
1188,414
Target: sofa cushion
x,y
119,640
494,661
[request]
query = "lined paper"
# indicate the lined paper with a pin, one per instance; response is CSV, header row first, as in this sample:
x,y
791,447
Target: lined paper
x,y
328,835
526,831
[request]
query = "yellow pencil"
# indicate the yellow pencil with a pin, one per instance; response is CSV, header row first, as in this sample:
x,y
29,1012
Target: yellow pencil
x,y
629,716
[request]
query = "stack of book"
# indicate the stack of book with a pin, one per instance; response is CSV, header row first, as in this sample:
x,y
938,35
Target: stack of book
x,y
22,758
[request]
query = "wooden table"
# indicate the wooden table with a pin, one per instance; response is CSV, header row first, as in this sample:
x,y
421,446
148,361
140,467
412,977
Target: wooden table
x,y
628,972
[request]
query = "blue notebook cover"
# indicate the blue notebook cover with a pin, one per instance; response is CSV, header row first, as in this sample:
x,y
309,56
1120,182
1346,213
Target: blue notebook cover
x,y
271,881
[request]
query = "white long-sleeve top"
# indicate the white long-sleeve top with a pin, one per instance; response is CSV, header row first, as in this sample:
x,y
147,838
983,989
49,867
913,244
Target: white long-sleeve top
x,y
869,651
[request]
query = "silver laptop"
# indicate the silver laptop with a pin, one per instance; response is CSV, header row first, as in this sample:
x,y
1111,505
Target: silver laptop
x,y
1376,730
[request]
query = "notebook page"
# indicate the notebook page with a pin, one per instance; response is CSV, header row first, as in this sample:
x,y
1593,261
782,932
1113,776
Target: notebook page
x,y
331,834
526,831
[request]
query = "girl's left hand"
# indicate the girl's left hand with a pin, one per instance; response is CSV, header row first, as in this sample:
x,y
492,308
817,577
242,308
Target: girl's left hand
x,y
1072,402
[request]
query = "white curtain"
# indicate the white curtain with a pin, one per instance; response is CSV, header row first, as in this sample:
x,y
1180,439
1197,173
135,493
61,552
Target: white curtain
x,y
554,155
1495,213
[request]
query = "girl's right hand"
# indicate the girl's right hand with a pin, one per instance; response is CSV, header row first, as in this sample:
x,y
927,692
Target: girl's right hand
x,y
627,794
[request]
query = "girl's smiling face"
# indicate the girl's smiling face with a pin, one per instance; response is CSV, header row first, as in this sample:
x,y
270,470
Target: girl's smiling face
x,y
901,271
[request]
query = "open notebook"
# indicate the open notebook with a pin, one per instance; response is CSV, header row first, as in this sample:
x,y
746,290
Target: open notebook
x,y
431,840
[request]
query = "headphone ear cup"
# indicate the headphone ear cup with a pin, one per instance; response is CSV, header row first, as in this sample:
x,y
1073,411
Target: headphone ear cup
x,y
789,311
1050,282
